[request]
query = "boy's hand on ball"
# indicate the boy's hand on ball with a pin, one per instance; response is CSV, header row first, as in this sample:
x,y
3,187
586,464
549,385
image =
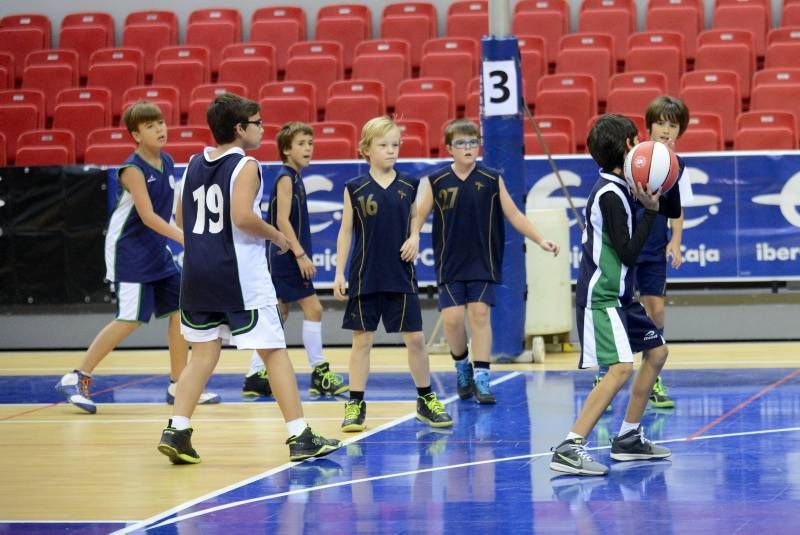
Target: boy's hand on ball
x,y
648,199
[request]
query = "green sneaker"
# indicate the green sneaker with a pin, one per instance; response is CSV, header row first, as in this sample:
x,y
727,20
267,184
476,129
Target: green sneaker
x,y
354,414
659,398
431,411
597,379
309,444
326,383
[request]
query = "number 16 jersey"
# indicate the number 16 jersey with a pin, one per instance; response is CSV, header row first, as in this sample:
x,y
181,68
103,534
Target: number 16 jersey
x,y
224,268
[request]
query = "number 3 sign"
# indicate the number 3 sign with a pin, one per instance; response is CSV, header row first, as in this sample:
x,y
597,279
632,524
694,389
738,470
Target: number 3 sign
x,y
500,88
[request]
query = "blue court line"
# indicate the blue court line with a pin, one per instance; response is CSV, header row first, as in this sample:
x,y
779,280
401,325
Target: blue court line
x,y
146,524
427,470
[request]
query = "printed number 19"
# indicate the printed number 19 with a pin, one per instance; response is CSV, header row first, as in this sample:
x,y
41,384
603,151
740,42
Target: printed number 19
x,y
212,200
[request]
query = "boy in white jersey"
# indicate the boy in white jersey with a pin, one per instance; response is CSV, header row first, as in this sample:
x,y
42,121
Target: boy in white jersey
x,y
226,291
146,280
611,325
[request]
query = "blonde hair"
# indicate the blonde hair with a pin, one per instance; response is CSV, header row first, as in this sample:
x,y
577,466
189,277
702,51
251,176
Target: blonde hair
x,y
141,111
374,128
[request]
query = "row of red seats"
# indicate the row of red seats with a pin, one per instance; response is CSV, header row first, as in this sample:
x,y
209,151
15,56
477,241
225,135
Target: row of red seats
x,y
756,130
252,64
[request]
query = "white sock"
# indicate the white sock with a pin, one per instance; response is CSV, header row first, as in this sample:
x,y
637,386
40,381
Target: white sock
x,y
573,436
256,364
627,426
312,341
181,422
296,427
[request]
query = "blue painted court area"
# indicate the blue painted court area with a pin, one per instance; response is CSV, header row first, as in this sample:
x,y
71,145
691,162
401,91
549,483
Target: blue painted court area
x,y
735,437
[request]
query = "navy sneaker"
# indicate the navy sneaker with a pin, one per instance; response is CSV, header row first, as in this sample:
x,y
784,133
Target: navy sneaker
x,y
464,382
483,393
75,388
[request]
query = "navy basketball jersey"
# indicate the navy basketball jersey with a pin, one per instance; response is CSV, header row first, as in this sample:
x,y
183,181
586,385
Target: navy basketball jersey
x,y
224,269
468,229
603,280
134,252
655,247
284,265
381,223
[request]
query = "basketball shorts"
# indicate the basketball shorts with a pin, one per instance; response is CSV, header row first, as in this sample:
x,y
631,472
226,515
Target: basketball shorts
x,y
651,278
459,293
292,288
612,335
137,301
246,329
400,312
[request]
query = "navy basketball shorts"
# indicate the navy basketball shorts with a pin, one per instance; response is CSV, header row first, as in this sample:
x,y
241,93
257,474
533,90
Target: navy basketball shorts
x,y
612,335
459,293
651,278
292,288
137,301
400,312
246,329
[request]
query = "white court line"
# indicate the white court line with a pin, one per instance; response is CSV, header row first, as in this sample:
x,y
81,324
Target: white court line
x,y
65,521
161,420
148,521
429,470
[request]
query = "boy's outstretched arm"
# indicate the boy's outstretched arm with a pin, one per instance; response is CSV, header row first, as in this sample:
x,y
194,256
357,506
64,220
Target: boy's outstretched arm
x,y
343,241
244,193
522,224
133,180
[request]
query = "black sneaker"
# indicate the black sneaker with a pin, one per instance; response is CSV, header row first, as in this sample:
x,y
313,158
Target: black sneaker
x,y
483,392
632,446
177,445
326,383
431,411
257,385
309,444
571,457
464,382
354,414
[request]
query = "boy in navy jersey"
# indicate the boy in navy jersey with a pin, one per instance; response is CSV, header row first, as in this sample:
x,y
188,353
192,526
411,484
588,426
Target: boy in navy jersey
x,y
379,211
612,326
138,262
468,238
292,274
226,292
666,119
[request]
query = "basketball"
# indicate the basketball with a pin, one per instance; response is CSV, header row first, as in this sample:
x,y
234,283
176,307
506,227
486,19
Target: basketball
x,y
653,165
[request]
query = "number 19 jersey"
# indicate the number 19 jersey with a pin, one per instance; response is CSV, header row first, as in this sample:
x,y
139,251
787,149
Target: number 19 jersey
x,y
224,269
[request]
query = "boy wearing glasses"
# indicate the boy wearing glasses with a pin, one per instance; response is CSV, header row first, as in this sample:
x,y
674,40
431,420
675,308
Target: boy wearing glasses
x,y
226,291
468,239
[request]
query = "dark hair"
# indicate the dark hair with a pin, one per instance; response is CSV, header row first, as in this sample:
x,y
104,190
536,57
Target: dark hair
x,y
225,112
464,127
141,111
286,136
607,141
669,108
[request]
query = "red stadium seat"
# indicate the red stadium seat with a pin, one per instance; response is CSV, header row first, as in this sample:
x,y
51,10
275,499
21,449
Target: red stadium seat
x,y
783,47
704,134
108,146
454,58
415,22
617,17
631,100
387,60
334,140
19,42
81,110
468,18
30,20
111,135
714,91
183,67
214,28
6,70
45,147
427,99
286,101
414,137
657,51
191,134
572,95
790,14
3,157
116,69
355,101
747,15
548,19
347,24
777,89
533,63
685,17
203,94
557,131
50,71
318,62
638,80
20,110
281,26
150,31
85,33
731,50
249,64
588,53
766,130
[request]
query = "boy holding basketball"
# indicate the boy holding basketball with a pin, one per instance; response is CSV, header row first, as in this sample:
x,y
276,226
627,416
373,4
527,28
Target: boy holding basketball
x,y
666,119
611,325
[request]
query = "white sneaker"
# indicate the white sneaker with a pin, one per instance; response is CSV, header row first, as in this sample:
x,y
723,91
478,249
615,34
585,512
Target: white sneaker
x,y
206,398
75,388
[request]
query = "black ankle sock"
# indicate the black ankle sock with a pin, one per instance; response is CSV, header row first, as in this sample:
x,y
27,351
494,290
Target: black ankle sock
x,y
458,358
481,365
355,395
424,390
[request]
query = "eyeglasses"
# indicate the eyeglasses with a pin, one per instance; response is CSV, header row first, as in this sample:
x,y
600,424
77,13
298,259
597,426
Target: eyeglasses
x,y
466,143
259,123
